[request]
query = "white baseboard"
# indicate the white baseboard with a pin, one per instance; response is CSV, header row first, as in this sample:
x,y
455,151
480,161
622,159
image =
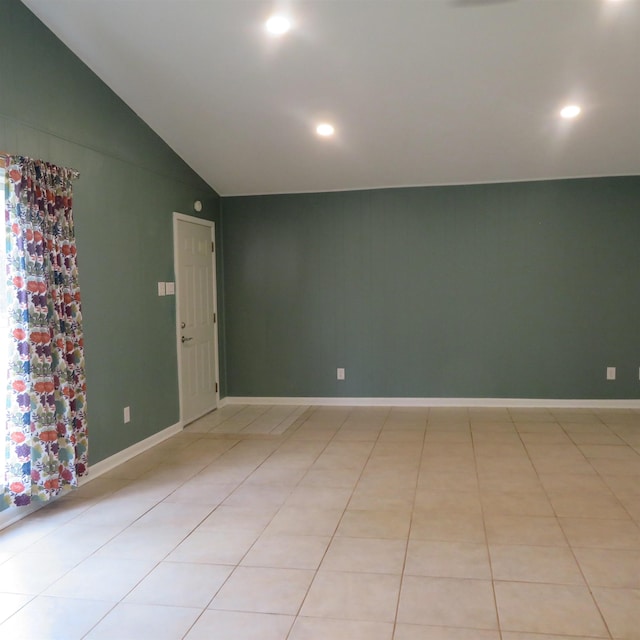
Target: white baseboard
x,y
12,515
551,403
96,470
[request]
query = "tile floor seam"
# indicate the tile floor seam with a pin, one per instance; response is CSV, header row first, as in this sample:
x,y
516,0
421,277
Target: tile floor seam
x,y
331,538
100,620
93,554
620,503
486,538
192,625
333,535
164,558
569,545
406,547
584,577
242,431
571,549
239,563
599,475
385,442
264,410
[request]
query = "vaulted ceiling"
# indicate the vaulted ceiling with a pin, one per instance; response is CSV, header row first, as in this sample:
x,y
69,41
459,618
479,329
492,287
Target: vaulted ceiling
x,y
420,92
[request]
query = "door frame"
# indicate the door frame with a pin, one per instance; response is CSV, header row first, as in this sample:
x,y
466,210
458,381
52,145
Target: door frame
x,y
177,218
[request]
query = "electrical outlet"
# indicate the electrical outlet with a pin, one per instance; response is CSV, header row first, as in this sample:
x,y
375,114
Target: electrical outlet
x,y
170,288
611,373
340,373
162,289
127,415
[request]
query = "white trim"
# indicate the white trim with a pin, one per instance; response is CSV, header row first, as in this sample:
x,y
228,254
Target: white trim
x,y
428,185
125,455
181,217
11,516
550,403
185,218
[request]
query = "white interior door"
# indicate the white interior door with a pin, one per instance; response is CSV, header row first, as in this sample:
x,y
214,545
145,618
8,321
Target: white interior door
x,y
196,316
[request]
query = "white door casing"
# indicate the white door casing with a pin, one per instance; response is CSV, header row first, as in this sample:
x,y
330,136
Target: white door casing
x,y
196,315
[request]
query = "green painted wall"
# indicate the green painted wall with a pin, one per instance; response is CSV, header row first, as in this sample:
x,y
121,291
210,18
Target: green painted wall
x,y
525,290
53,107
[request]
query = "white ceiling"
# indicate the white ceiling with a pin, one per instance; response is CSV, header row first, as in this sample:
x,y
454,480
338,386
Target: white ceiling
x,y
421,92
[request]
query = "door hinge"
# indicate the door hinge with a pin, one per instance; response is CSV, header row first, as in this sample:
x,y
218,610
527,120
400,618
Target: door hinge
x,y
213,247
214,317
216,387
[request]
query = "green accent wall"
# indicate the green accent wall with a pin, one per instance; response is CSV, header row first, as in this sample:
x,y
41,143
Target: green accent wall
x,y
53,107
519,290
525,290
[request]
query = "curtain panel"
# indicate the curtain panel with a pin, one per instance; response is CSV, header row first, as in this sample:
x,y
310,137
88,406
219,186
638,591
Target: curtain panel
x,y
46,432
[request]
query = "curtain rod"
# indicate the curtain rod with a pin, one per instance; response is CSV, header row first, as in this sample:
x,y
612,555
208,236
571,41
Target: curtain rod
x,y
5,156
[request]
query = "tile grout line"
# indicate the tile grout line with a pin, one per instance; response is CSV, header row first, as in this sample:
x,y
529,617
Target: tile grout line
x,y
334,439
238,564
187,535
163,559
573,553
406,548
557,518
484,528
331,538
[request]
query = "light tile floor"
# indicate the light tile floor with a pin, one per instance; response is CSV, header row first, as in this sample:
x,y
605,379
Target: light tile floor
x,y
338,523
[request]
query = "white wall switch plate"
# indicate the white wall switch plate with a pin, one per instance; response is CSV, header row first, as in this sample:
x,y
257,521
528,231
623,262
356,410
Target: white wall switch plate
x,y
340,373
611,373
170,288
162,289
127,415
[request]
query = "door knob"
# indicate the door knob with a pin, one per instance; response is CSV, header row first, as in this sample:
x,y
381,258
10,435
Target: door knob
x,y
185,339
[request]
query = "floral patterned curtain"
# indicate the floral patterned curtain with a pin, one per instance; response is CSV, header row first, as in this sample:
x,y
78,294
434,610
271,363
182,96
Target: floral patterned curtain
x,y
46,433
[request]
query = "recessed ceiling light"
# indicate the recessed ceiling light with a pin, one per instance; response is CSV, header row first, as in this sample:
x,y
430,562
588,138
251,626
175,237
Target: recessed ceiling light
x,y
278,25
325,130
570,111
